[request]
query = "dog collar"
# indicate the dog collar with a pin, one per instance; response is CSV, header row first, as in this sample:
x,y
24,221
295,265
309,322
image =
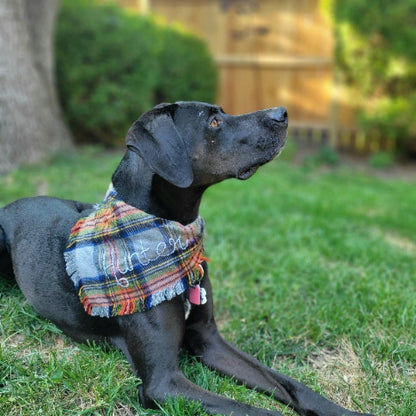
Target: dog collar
x,y
123,260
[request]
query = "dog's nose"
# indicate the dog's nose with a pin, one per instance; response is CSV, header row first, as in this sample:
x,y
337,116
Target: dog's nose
x,y
278,114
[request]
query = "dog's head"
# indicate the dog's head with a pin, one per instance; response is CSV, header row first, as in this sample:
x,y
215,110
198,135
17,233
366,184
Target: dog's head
x,y
198,144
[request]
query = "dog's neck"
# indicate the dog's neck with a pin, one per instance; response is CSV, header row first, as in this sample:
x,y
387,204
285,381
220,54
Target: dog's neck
x,y
138,186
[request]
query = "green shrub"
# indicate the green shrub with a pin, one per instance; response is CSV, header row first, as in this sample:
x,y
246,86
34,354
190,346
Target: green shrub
x,y
381,160
324,156
186,69
106,68
112,66
375,57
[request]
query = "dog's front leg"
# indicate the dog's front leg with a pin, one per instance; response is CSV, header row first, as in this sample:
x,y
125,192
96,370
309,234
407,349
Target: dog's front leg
x,y
204,341
151,341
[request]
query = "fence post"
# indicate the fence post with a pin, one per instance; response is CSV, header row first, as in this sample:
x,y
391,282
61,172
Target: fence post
x,y
144,6
333,116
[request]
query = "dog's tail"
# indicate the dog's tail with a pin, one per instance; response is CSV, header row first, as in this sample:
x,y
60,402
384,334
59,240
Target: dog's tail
x,y
6,268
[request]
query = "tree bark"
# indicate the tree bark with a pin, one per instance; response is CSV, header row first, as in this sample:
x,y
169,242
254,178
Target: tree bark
x,y
31,125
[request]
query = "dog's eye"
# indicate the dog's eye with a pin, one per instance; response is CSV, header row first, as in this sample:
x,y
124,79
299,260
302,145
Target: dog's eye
x,y
214,122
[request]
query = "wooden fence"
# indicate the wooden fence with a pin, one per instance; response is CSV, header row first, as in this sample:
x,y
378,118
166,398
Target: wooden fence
x,y
270,53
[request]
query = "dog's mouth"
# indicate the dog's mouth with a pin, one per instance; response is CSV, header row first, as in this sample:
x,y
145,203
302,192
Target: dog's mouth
x,y
247,173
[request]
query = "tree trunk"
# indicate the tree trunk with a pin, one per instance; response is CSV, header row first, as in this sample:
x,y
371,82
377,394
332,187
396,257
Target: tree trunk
x,y
31,125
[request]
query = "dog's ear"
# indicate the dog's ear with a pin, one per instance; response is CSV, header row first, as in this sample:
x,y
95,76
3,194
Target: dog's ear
x,y
156,140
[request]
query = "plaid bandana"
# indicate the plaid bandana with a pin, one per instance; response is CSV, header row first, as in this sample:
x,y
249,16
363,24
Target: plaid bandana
x,y
123,260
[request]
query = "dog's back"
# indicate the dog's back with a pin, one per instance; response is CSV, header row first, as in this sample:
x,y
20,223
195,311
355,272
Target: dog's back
x,y
33,229
6,269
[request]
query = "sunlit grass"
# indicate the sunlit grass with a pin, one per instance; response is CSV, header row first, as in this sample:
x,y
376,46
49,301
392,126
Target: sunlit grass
x,y
313,270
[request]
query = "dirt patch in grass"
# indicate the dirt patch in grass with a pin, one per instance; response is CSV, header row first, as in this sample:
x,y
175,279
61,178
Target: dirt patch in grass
x,y
401,242
344,380
340,372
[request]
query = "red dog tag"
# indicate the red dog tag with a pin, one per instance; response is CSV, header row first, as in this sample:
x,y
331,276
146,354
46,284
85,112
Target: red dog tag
x,y
195,295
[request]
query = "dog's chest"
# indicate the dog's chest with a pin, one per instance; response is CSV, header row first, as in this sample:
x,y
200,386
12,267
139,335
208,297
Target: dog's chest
x,y
123,260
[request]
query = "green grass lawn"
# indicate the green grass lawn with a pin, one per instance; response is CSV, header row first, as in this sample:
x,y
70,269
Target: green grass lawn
x,y
314,273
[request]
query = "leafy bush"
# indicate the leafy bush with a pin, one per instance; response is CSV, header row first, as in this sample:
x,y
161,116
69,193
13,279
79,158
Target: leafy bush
x,y
187,70
381,160
376,58
326,155
112,66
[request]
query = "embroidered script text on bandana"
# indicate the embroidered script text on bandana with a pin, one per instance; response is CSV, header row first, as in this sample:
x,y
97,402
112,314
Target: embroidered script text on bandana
x,y
123,260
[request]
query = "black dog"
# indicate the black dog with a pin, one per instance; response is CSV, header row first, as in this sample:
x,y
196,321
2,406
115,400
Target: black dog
x,y
175,152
